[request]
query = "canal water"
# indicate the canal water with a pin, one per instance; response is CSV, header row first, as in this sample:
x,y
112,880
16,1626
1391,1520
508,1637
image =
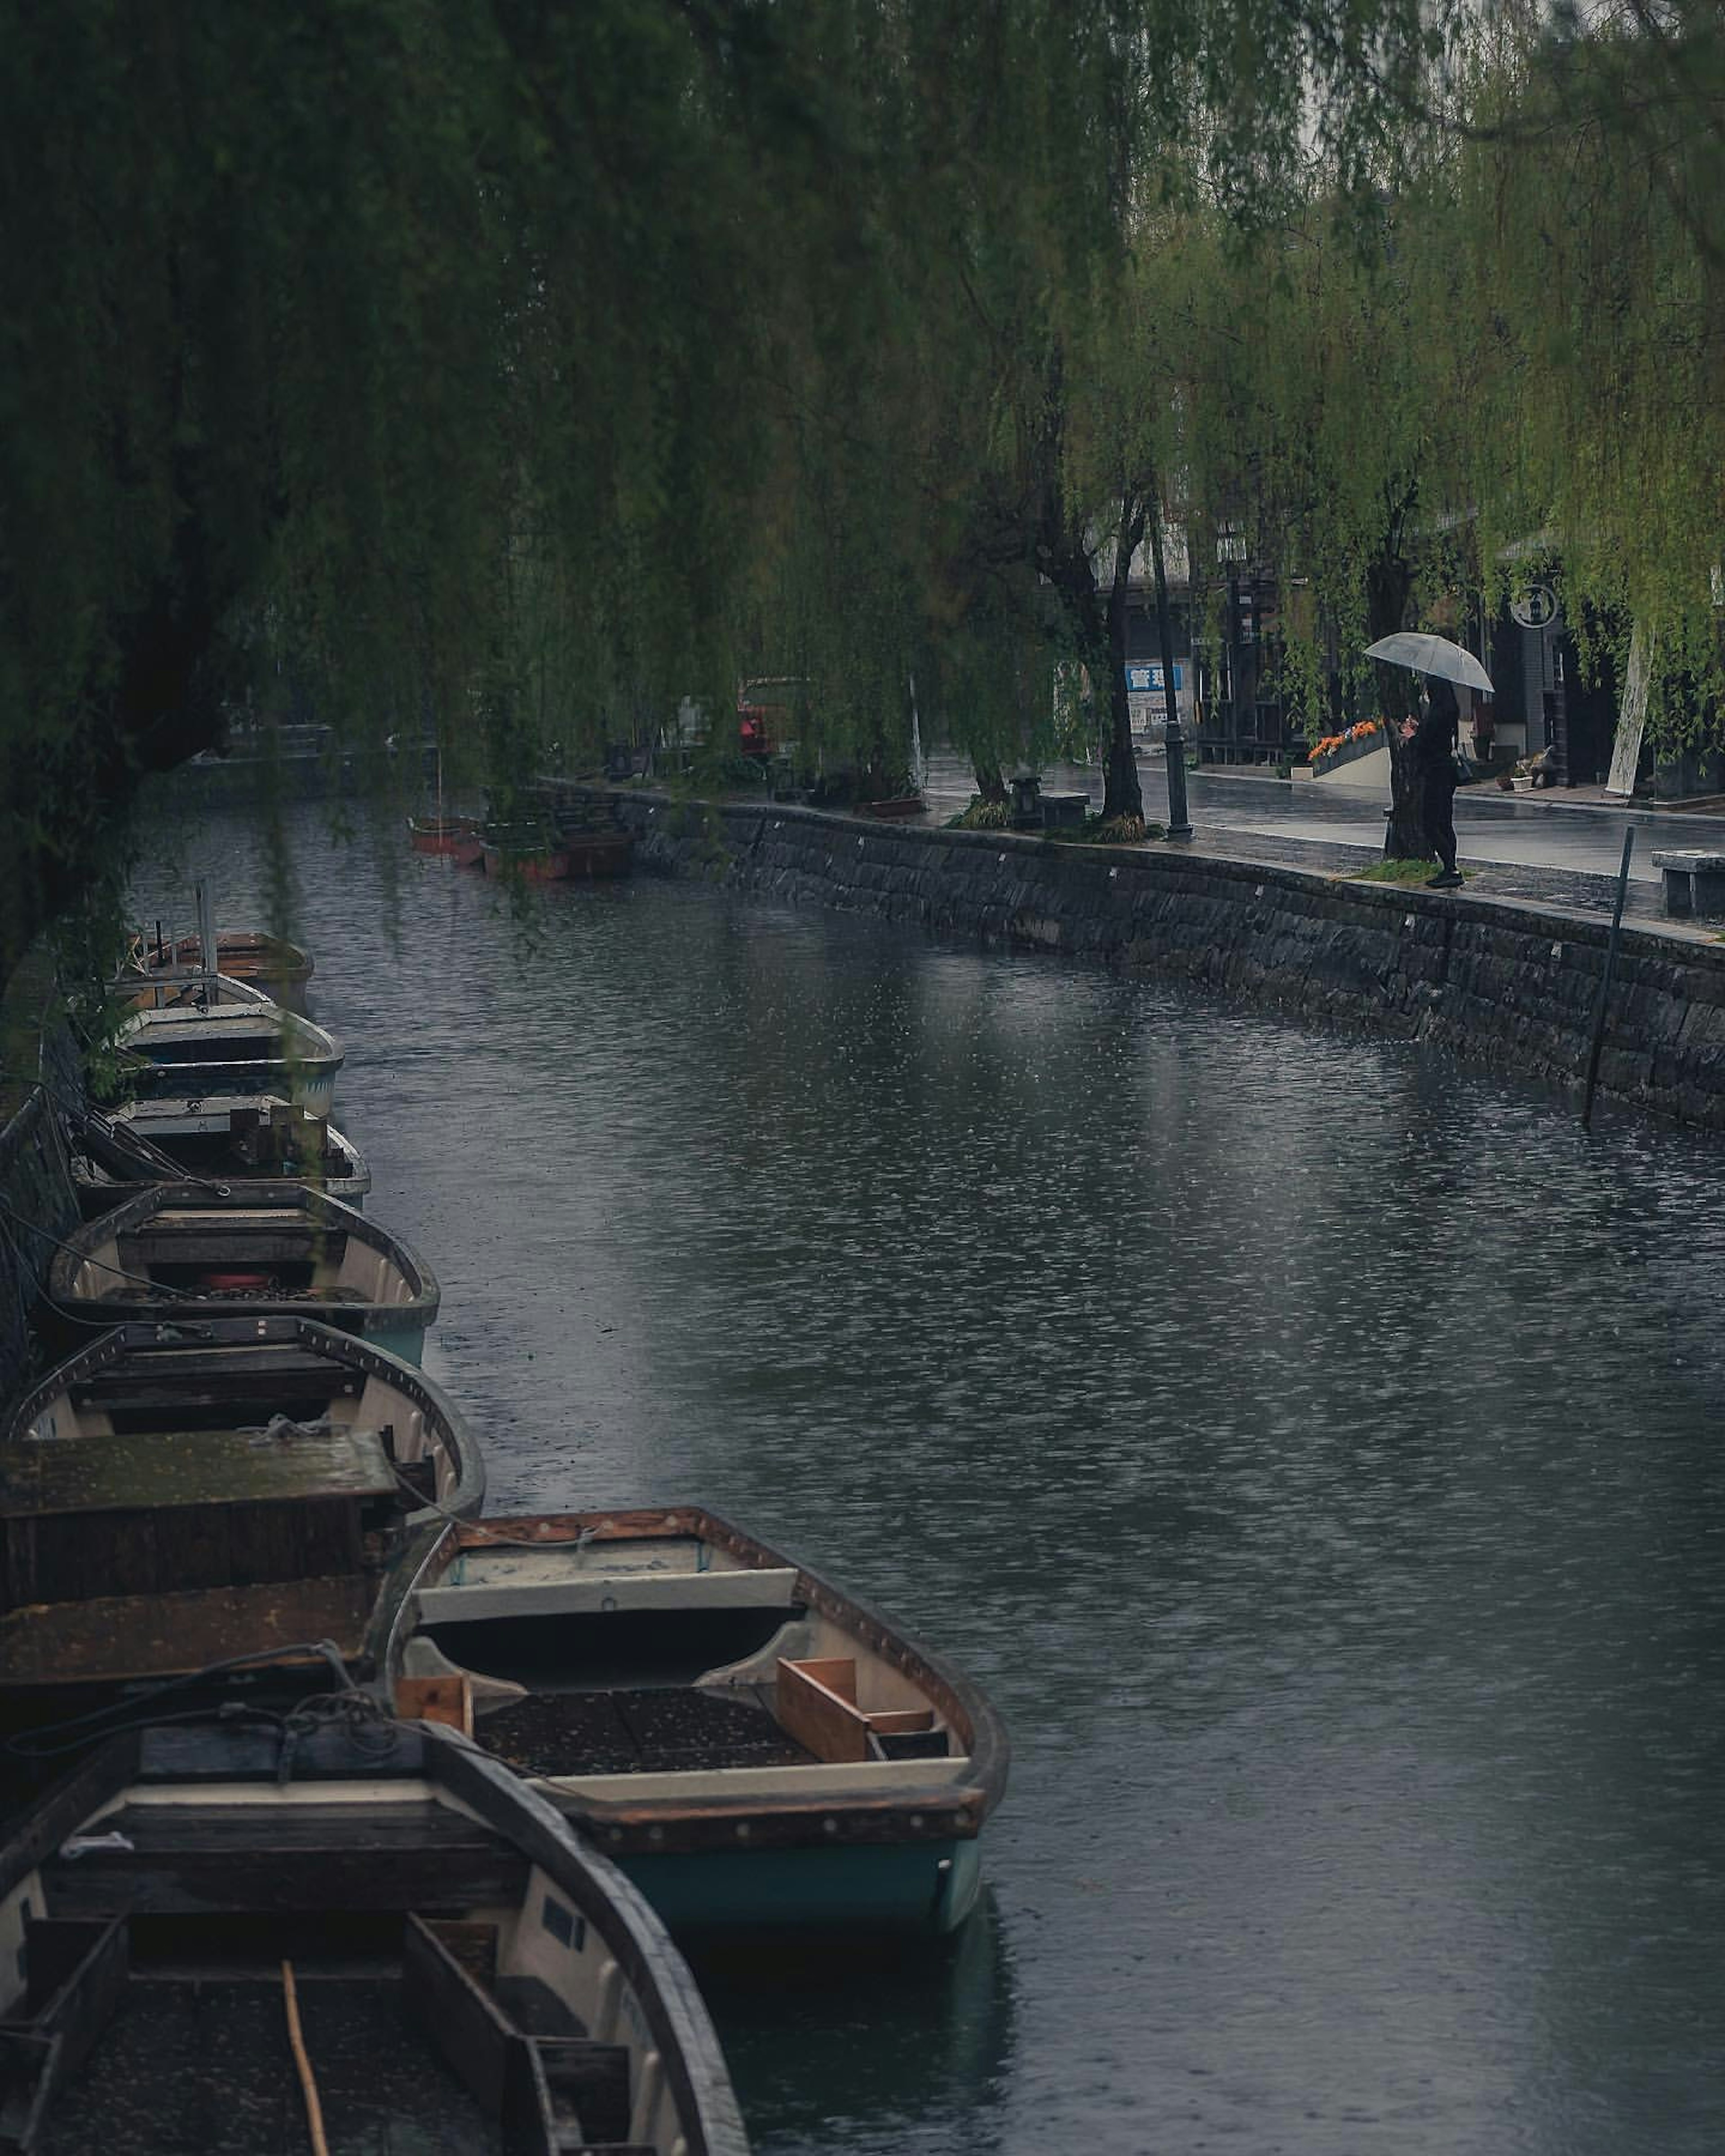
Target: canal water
x,y
1312,1446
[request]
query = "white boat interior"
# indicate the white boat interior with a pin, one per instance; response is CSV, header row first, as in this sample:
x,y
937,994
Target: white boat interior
x,y
246,1394
322,1253
184,1961
655,1666
244,1136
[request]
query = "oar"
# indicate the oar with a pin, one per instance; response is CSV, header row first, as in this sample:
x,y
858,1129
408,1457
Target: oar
x,y
308,2080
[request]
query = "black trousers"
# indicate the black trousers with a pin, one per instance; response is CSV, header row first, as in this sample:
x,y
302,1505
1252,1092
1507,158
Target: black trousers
x,y
1437,812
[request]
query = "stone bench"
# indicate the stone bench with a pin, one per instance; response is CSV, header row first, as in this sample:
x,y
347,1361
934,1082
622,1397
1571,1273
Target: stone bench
x,y
1064,811
1694,883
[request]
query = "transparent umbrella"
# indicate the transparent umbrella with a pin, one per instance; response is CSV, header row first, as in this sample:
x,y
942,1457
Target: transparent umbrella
x,y
1432,655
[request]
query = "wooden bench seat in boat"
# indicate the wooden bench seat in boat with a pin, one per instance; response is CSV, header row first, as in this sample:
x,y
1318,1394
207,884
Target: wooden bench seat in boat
x,y
162,1512
178,1858
123,1637
606,1592
816,1703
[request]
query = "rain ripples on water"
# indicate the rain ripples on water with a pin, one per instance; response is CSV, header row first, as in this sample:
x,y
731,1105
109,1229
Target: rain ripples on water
x,y
1311,1444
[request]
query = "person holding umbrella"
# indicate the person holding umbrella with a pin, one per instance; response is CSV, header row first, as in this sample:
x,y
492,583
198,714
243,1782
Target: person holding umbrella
x,y
1431,748
1432,743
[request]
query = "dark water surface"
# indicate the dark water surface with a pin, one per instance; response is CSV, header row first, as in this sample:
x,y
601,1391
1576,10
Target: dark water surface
x,y
1314,1449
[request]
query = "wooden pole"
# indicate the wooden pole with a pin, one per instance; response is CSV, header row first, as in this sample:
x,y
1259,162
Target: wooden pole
x,y
308,2080
1597,1041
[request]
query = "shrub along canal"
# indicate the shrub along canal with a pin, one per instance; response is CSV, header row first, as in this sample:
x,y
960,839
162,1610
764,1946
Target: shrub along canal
x,y
1312,1446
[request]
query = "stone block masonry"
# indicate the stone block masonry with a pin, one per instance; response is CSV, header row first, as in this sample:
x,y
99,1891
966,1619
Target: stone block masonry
x,y
1509,985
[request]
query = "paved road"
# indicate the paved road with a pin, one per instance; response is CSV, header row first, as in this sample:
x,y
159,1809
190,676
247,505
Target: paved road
x,y
1536,834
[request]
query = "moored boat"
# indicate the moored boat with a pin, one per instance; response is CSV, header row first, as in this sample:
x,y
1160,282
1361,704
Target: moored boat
x,y
218,1933
758,1751
175,1249
175,1494
206,1035
241,954
233,1140
454,838
530,857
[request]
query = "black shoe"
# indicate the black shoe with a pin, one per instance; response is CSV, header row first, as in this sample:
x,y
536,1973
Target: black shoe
x,y
1446,880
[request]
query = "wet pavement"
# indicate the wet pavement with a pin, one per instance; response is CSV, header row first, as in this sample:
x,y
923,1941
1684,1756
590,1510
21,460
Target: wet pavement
x,y
1545,845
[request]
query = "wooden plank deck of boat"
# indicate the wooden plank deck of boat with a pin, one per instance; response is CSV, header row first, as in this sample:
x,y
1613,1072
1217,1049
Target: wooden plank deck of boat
x,y
181,1858
117,1638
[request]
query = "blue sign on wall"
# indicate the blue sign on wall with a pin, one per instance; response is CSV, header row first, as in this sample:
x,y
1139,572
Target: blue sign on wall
x,y
1146,680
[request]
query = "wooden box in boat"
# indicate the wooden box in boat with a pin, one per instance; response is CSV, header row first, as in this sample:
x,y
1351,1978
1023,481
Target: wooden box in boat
x,y
209,1927
236,1141
274,1249
758,1750
198,1037
174,1494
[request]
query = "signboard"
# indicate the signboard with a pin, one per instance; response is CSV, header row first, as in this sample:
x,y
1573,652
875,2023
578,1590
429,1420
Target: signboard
x,y
1146,680
1535,606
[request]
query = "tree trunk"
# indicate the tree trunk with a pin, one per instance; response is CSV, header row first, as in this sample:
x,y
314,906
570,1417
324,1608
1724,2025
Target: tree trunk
x,y
990,784
1122,793
1388,582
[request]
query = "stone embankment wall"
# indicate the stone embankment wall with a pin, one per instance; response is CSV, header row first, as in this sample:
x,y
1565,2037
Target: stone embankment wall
x,y
1506,984
38,1060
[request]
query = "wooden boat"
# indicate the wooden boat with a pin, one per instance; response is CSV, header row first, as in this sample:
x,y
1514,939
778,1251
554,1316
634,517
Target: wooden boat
x,y
173,1494
455,838
530,857
217,1934
236,1141
900,807
757,1751
175,1249
205,1035
241,954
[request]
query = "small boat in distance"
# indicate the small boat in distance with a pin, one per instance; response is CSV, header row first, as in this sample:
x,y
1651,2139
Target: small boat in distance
x,y
757,1751
178,1250
526,857
176,1494
243,954
232,1140
455,838
200,1034
221,1931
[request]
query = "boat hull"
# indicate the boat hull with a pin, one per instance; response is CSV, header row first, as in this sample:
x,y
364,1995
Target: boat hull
x,y
885,1889
446,838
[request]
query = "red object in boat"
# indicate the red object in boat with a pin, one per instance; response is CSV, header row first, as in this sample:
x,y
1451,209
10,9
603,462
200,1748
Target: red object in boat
x,y
234,1283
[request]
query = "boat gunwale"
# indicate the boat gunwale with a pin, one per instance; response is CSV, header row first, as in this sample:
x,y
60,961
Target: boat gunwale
x,y
957,1809
237,1195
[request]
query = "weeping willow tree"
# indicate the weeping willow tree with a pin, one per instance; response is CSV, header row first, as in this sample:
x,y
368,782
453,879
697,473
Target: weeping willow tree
x,y
478,370
1590,188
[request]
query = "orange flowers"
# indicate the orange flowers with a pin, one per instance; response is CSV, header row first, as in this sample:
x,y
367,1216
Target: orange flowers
x,y
1333,743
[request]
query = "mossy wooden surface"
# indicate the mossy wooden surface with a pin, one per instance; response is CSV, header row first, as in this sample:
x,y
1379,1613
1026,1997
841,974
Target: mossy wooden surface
x,y
160,1469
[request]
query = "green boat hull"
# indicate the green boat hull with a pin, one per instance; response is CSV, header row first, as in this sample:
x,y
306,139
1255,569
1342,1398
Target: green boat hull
x,y
923,1890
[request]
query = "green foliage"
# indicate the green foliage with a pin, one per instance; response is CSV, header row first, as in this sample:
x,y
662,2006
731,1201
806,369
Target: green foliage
x,y
980,815
1391,871
508,371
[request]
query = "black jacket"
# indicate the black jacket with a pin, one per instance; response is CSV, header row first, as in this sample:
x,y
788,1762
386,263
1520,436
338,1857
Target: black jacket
x,y
1433,750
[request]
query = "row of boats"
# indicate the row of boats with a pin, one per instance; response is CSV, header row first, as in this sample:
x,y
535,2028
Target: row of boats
x,y
569,836
339,1806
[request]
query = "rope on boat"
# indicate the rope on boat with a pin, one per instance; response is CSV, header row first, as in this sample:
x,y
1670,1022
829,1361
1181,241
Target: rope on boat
x,y
308,2080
